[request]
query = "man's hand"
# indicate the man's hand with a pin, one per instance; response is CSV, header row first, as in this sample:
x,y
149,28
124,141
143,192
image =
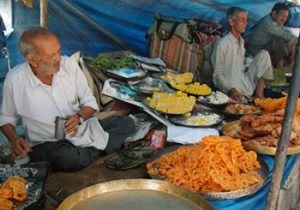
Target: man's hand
x,y
72,125
20,147
236,95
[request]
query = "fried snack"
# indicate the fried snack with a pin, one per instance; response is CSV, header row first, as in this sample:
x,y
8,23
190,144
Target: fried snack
x,y
272,104
17,178
17,186
264,129
216,164
242,109
19,193
6,204
6,193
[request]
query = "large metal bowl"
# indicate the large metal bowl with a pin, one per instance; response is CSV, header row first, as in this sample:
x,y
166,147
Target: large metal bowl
x,y
263,172
133,194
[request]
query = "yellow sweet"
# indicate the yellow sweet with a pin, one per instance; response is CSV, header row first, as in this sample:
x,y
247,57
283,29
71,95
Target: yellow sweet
x,y
178,78
172,103
178,86
198,89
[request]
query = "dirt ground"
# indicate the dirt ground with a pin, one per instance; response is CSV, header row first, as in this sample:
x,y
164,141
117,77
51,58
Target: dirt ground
x,y
60,185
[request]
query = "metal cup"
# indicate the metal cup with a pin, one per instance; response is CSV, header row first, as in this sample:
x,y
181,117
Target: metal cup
x,y
59,128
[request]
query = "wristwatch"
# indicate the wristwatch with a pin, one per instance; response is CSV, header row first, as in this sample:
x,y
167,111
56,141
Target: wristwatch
x,y
81,120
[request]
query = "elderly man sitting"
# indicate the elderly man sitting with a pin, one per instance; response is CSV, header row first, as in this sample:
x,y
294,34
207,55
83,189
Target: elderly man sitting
x,y
233,74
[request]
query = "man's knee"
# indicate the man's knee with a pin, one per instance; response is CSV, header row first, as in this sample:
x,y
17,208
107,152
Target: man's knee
x,y
127,123
263,55
68,158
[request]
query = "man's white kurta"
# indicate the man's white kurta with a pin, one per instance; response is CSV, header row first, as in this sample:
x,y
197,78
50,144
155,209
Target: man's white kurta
x,y
26,98
229,67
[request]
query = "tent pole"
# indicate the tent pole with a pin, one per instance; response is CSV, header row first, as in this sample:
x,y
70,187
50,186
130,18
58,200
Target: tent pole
x,y
44,13
280,156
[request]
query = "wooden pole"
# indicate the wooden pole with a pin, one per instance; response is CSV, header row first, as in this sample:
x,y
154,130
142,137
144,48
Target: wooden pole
x,y
44,13
280,156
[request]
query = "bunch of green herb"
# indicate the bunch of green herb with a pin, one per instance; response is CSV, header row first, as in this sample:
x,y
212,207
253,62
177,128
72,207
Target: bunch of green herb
x,y
103,63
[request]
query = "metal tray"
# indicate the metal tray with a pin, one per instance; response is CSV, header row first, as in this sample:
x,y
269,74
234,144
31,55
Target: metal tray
x,y
151,85
184,121
255,146
263,172
237,115
113,74
133,194
35,175
205,100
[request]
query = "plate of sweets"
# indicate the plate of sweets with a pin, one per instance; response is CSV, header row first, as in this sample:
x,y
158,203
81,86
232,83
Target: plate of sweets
x,y
169,103
212,168
238,110
150,85
22,187
177,78
195,88
197,119
261,133
217,98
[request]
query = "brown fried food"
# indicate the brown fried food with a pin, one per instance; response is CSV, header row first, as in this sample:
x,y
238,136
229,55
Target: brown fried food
x,y
6,204
19,194
268,141
11,183
5,193
17,178
17,185
247,118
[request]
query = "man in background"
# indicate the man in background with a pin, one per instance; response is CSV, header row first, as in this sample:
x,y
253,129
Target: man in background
x,y
271,35
233,74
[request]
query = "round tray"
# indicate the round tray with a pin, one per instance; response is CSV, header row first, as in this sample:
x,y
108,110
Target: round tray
x,y
263,172
36,174
237,115
183,121
255,146
122,78
133,194
234,126
205,100
151,83
193,94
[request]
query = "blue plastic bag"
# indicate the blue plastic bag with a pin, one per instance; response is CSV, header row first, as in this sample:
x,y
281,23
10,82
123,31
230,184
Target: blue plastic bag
x,y
294,16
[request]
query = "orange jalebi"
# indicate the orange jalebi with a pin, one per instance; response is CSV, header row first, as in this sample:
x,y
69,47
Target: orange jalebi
x,y
275,104
216,164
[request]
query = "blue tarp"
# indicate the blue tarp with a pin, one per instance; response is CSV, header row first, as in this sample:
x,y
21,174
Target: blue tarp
x,y
72,21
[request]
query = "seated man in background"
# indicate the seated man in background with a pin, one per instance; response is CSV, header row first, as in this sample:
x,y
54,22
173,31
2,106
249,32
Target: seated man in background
x,y
271,35
230,74
50,85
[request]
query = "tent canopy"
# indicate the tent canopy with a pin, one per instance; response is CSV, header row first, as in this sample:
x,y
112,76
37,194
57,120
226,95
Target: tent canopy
x,y
77,22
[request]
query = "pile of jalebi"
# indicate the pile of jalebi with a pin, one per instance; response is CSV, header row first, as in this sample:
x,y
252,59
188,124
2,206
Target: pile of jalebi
x,y
275,104
216,164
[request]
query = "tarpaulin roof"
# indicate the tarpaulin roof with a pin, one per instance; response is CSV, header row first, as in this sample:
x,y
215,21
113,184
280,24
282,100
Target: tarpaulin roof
x,y
77,22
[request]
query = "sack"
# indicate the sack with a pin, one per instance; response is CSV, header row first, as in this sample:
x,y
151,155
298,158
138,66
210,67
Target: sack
x,y
179,42
294,15
171,40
